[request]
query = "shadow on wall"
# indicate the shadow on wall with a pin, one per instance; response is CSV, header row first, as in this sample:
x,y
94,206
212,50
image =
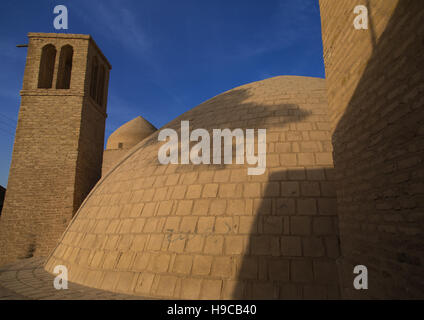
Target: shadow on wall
x,y
215,110
293,243
379,157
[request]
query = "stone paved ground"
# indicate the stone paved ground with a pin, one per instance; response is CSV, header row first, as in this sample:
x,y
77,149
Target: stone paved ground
x,y
27,280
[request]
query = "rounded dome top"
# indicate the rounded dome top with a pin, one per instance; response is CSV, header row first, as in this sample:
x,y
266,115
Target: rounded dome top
x,y
130,133
212,231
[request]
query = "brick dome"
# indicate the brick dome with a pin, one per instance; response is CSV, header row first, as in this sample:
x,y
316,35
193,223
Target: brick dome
x,y
212,231
130,133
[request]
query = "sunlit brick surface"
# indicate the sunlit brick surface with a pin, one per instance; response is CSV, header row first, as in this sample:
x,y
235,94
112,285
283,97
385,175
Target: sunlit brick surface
x,y
212,231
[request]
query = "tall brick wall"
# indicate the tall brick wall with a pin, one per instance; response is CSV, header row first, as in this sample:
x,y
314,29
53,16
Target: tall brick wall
x,y
375,85
57,153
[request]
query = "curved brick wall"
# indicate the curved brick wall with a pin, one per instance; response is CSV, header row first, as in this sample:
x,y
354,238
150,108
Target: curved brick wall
x,y
212,231
130,133
123,139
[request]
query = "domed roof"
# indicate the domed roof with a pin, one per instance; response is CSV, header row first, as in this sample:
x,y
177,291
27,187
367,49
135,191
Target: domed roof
x,y
130,133
213,231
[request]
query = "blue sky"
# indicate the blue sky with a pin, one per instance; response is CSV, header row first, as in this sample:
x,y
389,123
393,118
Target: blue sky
x,y
167,56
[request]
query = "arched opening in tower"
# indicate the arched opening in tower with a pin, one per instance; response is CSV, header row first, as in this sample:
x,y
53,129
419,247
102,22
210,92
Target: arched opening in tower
x,y
65,67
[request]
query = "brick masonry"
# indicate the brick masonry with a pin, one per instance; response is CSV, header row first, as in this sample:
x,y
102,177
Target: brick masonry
x,y
111,157
58,150
212,231
375,85
123,139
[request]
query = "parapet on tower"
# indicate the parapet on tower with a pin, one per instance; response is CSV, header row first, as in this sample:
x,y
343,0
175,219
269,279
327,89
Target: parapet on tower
x,y
57,154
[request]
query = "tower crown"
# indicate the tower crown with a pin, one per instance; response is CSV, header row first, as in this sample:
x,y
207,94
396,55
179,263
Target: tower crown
x,y
66,64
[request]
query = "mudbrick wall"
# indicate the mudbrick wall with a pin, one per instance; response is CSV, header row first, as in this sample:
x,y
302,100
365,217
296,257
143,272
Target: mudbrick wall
x,y
58,146
123,139
375,83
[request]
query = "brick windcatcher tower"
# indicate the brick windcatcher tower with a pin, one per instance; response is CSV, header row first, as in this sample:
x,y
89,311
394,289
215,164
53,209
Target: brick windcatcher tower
x,y
58,149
